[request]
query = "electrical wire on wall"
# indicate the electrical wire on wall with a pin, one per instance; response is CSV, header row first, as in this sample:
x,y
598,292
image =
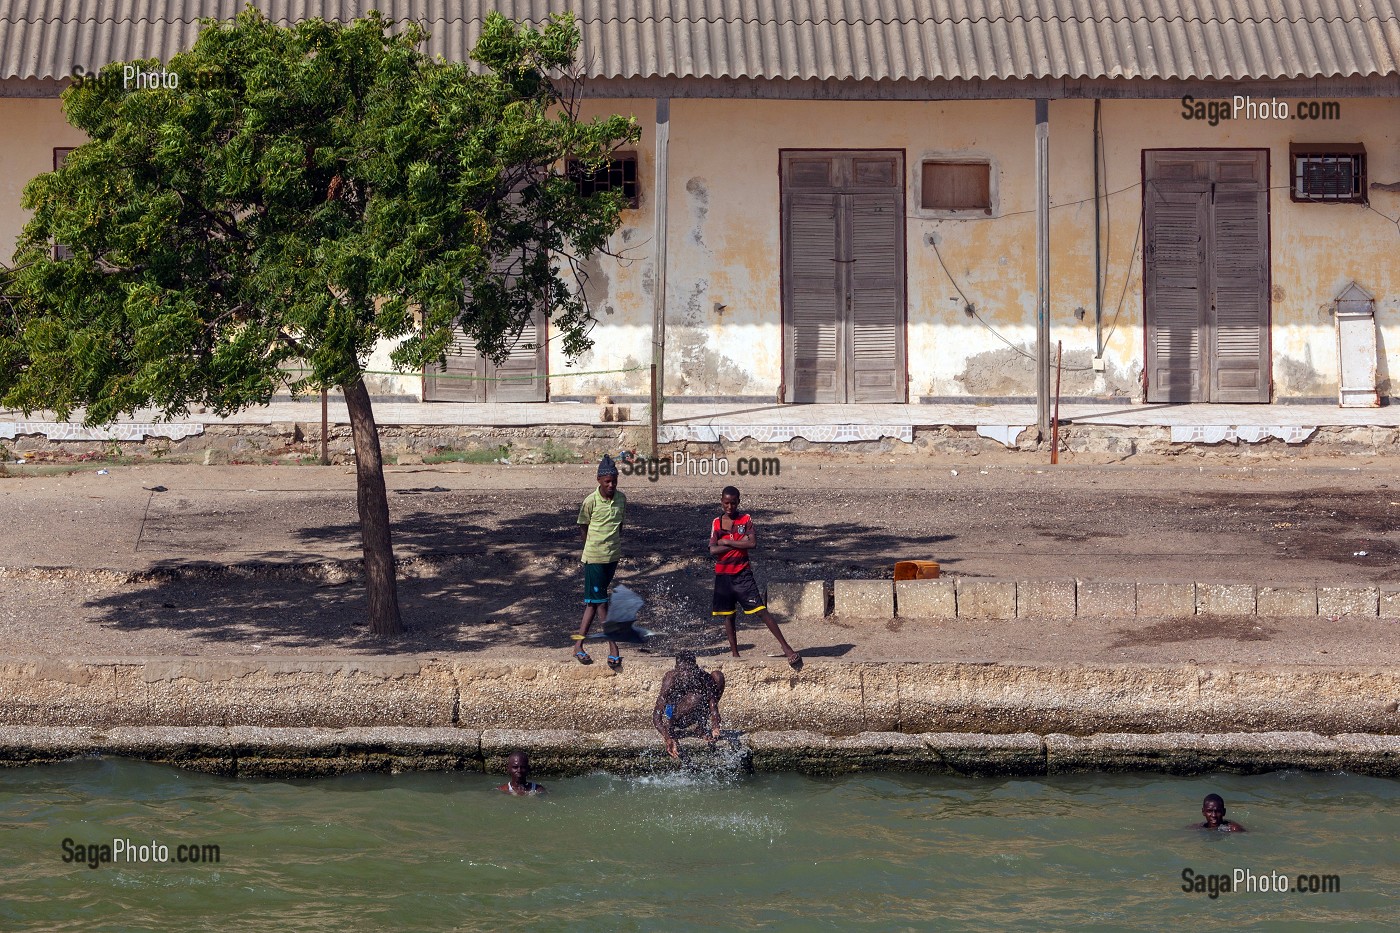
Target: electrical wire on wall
x,y
1127,277
971,308
1394,222
1101,286
1102,259
1101,283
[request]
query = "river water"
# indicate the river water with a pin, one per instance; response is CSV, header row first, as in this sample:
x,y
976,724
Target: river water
x,y
688,852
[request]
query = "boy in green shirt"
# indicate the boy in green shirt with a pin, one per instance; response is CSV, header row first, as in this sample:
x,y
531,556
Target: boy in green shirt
x,y
600,528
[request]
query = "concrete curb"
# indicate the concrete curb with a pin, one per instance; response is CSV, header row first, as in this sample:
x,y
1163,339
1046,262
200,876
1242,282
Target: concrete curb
x,y
946,598
1061,600
257,752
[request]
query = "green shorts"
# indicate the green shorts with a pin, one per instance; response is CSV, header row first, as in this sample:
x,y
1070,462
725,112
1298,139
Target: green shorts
x,y
596,579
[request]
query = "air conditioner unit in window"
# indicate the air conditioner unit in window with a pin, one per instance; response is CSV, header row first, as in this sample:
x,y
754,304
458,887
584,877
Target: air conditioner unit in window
x,y
1332,173
1328,178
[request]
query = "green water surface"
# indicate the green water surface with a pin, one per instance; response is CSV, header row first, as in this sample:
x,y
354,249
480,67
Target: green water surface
x,y
690,852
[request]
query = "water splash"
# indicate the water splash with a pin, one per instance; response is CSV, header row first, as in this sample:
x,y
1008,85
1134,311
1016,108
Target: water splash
x,y
726,762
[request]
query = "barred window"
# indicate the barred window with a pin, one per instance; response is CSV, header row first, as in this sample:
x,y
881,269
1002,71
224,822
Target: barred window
x,y
60,251
617,174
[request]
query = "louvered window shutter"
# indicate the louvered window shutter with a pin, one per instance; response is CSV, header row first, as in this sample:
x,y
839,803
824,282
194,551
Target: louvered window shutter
x,y
812,282
1240,276
1175,290
876,275
459,380
519,377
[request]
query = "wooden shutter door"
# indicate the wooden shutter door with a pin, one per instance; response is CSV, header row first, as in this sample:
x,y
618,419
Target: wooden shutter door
x,y
811,278
520,377
1238,318
462,361
875,299
1175,289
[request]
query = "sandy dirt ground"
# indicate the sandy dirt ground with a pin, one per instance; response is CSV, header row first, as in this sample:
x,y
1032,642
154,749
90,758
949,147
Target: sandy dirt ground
x,y
250,559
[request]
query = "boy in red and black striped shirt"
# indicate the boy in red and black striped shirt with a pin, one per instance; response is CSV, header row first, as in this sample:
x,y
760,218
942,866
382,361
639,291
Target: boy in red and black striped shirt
x,y
731,538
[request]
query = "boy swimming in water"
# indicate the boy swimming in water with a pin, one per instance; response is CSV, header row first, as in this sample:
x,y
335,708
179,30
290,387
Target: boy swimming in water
x,y
1213,809
732,537
688,703
518,772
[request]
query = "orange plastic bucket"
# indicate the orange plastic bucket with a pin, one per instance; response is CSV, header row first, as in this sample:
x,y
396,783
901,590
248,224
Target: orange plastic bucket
x,y
916,570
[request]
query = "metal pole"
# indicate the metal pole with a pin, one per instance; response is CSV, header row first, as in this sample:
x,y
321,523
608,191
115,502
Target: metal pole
x,y
1055,429
658,298
1098,249
655,401
1042,266
325,432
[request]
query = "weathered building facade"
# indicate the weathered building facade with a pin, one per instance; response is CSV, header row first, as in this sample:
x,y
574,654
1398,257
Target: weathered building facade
x,y
837,202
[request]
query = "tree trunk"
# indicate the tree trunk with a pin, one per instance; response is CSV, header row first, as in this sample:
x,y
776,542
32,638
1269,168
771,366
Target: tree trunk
x,y
380,582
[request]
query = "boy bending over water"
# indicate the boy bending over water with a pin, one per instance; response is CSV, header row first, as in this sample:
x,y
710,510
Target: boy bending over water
x,y
688,703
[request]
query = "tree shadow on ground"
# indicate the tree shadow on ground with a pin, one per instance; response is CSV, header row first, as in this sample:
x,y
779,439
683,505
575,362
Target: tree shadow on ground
x,y
481,572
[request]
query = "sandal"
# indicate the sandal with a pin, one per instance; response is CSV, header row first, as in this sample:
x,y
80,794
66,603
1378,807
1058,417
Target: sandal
x,y
615,661
582,657
795,662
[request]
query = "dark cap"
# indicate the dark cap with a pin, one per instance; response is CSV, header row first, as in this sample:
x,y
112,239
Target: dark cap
x,y
606,467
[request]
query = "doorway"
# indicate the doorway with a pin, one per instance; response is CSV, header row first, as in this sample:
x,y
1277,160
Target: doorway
x,y
470,377
843,276
1206,275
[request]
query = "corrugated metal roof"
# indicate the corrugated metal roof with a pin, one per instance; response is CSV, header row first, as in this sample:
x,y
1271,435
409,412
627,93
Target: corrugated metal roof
x,y
796,39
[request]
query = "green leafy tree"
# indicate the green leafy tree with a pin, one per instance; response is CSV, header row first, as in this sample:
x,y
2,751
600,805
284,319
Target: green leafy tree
x,y
305,194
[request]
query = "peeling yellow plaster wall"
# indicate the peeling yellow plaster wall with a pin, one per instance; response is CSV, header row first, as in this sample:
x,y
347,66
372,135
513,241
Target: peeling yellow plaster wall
x,y
619,286
724,250
33,129
1315,249
724,299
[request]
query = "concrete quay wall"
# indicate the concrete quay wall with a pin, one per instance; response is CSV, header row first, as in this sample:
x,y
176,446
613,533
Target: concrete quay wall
x,y
249,751
836,698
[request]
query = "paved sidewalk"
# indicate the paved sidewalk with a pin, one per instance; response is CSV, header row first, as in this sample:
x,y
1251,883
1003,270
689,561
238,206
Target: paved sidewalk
x,y
702,413
851,516
491,560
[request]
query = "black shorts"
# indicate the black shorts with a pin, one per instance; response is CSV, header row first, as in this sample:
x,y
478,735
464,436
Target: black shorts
x,y
739,589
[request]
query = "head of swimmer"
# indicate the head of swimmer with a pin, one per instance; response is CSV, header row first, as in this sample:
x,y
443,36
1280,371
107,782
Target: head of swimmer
x,y
1213,809
518,768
